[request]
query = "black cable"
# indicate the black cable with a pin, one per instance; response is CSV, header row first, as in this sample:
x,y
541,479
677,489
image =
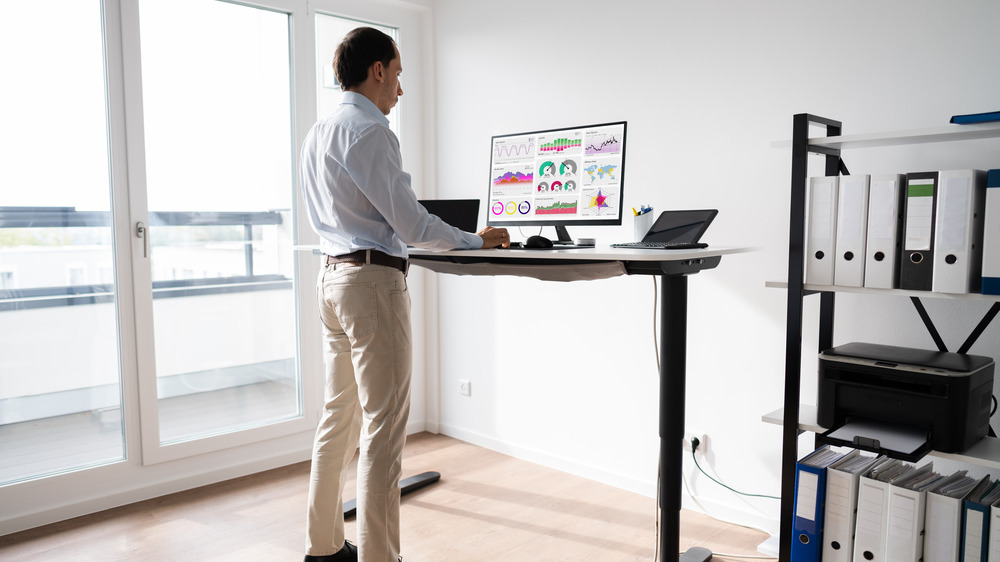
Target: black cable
x,y
992,433
693,456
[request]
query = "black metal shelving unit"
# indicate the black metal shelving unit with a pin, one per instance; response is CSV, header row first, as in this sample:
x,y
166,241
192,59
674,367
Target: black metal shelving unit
x,y
793,327
802,148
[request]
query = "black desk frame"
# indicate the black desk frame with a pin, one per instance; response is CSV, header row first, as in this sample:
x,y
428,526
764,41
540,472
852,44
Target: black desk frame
x,y
673,275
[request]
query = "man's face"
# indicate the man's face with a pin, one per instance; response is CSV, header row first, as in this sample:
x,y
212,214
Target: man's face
x,y
391,90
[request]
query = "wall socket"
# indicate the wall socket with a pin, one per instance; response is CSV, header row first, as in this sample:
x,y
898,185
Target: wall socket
x,y
702,438
465,388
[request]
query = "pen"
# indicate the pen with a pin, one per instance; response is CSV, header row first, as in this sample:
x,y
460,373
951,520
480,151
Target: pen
x,y
634,212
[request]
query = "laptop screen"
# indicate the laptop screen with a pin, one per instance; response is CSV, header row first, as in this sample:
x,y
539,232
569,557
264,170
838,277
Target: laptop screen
x,y
460,213
680,226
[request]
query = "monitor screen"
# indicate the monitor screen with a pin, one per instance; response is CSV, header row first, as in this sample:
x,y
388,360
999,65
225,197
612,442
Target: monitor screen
x,y
558,177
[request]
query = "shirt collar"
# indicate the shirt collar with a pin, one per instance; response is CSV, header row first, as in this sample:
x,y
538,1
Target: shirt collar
x,y
365,104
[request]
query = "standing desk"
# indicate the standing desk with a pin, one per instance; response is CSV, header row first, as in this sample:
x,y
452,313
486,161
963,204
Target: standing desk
x,y
673,267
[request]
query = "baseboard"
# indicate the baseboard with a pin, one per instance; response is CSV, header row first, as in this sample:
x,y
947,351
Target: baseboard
x,y
552,461
416,427
723,512
770,547
731,514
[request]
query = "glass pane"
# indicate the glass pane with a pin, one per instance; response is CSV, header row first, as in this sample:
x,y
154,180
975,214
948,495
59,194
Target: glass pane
x,y
60,381
217,117
330,31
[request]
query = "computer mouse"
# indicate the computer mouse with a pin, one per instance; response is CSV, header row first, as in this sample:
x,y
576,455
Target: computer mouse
x,y
537,242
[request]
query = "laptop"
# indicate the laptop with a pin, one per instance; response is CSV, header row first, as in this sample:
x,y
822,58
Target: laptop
x,y
675,230
460,213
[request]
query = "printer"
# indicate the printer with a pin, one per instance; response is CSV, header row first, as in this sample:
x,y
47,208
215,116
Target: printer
x,y
943,397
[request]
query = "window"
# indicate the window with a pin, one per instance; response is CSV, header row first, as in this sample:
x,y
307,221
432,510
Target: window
x,y
192,353
219,185
60,385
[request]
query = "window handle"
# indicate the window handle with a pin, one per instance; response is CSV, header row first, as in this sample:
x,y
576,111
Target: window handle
x,y
142,232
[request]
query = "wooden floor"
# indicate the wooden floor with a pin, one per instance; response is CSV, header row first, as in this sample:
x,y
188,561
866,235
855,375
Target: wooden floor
x,y
487,506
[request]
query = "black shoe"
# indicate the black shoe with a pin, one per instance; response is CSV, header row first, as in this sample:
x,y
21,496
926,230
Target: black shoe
x,y
347,554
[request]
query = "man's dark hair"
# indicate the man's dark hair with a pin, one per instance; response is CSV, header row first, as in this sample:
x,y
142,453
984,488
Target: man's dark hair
x,y
360,49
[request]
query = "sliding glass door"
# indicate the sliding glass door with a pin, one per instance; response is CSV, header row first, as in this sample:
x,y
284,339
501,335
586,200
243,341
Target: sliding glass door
x,y
157,328
219,189
60,355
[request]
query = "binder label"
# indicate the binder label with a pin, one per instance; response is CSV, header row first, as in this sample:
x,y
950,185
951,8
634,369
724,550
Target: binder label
x,y
973,534
882,210
823,205
852,202
805,504
952,213
919,215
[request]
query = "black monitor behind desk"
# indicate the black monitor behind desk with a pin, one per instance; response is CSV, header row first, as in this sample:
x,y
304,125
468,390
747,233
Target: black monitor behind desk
x,y
673,267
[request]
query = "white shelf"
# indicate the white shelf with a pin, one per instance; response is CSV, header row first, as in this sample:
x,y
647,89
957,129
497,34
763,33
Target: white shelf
x,y
986,451
807,418
886,292
947,133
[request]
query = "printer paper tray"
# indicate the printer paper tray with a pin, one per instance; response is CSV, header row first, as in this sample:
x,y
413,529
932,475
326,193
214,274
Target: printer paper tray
x,y
904,442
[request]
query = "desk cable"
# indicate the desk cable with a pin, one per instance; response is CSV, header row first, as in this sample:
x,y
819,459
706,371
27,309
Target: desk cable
x,y
526,237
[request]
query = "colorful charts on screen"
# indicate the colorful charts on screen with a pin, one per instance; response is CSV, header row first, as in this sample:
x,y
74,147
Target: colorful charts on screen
x,y
565,175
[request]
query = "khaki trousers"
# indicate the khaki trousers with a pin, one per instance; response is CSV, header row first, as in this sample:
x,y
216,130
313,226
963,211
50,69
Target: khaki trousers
x,y
365,311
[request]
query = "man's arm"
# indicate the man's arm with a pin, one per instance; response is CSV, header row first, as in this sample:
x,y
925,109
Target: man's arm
x,y
376,167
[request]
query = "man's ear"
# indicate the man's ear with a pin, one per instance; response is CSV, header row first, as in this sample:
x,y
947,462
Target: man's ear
x,y
378,71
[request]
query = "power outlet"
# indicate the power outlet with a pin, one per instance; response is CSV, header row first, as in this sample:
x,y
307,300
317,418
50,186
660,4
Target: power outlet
x,y
702,441
465,388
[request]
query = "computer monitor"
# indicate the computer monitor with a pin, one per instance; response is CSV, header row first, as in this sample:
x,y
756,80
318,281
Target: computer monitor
x,y
558,177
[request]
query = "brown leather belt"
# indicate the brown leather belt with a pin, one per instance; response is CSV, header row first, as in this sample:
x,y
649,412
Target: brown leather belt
x,y
376,257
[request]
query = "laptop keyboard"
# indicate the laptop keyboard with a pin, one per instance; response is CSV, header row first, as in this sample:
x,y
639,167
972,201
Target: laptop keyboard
x,y
662,245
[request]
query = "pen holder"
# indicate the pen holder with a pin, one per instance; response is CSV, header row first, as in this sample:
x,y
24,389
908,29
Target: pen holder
x,y
642,224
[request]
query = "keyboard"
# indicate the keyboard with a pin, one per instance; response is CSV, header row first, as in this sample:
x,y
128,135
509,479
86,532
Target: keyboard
x,y
662,245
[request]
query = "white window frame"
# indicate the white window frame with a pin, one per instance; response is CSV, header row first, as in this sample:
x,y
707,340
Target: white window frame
x,y
153,451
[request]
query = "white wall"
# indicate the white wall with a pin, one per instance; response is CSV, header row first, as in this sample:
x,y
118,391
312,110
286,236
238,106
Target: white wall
x,y
564,374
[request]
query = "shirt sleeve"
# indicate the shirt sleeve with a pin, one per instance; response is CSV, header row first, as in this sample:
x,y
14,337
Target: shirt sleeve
x,y
375,165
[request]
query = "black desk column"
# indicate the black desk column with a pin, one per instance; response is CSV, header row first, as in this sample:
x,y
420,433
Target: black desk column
x,y
673,362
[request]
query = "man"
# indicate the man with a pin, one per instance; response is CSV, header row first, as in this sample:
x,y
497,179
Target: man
x,y
360,202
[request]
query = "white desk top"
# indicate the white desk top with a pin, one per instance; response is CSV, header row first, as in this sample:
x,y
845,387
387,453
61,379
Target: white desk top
x,y
566,264
598,253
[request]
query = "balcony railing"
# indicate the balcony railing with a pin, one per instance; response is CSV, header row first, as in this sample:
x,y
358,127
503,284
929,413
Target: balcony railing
x,y
224,244
82,294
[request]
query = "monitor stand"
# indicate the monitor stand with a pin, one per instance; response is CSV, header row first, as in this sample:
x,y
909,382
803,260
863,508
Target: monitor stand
x,y
562,237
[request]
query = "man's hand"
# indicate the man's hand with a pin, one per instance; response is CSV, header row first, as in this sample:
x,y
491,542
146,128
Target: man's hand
x,y
493,237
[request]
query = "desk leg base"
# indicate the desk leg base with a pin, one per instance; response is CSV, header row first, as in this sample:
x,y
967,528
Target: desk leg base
x,y
406,485
696,554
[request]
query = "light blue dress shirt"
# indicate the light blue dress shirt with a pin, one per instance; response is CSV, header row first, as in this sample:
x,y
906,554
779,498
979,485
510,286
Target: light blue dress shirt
x,y
356,193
